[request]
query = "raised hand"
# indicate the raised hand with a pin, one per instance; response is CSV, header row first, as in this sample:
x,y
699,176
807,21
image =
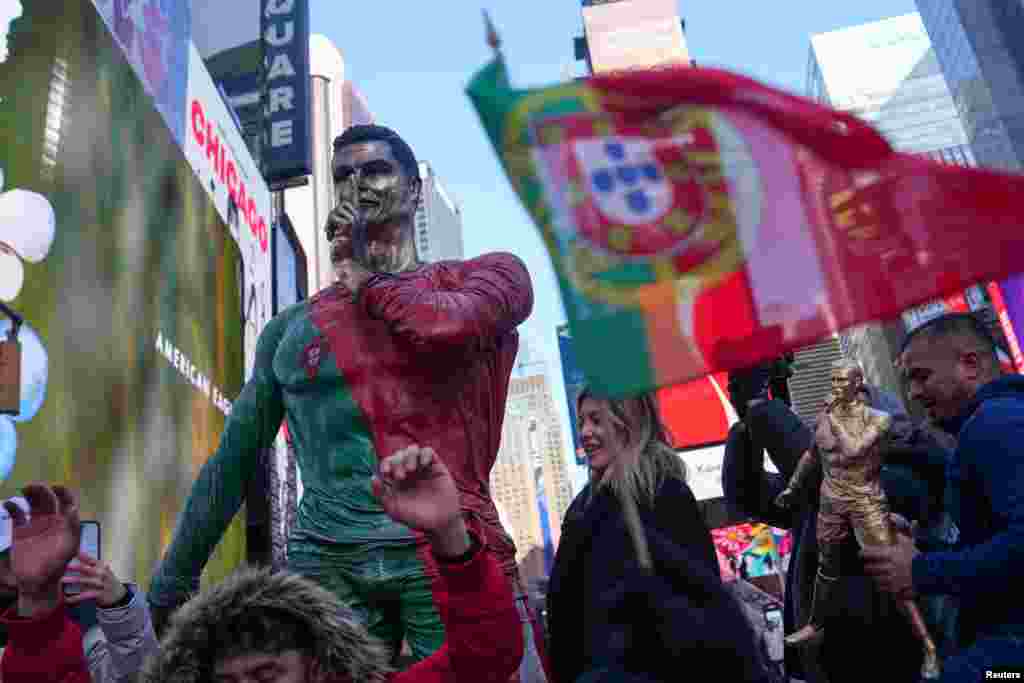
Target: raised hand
x,y
97,582
340,221
47,540
417,490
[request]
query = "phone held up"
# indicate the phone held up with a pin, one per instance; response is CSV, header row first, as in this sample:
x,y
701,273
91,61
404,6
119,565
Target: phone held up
x,y
90,545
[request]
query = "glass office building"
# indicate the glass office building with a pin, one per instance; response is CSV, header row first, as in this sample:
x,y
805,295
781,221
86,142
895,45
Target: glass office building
x,y
980,48
887,73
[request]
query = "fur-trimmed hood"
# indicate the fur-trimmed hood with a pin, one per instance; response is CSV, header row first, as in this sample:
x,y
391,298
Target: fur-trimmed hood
x,y
341,644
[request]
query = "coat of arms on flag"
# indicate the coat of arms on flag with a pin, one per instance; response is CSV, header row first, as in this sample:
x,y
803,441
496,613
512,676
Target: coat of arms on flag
x,y
641,204
699,221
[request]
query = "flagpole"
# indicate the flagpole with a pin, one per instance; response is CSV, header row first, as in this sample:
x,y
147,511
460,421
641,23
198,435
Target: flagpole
x,y
630,512
492,34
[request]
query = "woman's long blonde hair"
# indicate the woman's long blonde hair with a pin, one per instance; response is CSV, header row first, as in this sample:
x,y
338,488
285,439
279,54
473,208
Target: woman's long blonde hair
x,y
649,458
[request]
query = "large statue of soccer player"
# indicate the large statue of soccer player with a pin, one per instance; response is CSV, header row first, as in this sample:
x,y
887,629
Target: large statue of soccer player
x,y
395,353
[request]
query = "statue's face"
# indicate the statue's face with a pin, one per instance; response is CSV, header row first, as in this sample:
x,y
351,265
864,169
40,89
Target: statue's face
x,y
846,384
368,176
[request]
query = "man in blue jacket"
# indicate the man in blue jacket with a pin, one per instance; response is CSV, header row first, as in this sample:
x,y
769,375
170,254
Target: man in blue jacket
x,y
952,369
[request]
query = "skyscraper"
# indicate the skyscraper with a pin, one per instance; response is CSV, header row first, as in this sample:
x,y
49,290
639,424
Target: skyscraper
x,y
438,221
886,72
978,45
530,479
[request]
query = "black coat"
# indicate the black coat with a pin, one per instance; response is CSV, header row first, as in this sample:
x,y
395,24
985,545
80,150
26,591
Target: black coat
x,y
912,479
605,613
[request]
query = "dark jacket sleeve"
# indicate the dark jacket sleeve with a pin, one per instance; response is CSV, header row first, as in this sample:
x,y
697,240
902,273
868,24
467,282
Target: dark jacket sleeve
x,y
684,618
914,474
990,451
486,299
749,489
484,635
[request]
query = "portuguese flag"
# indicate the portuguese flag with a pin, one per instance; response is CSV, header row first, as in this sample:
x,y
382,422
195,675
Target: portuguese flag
x,y
699,221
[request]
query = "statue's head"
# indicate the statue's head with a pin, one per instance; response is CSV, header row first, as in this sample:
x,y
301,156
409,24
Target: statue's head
x,y
376,172
847,381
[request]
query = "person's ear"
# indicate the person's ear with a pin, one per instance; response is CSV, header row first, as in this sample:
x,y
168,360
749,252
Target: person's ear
x,y
970,363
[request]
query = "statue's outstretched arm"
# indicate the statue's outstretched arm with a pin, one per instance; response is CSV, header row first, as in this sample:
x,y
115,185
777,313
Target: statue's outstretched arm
x,y
220,487
494,296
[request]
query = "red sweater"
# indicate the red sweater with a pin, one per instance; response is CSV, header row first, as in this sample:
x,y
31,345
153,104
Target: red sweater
x,y
484,635
43,648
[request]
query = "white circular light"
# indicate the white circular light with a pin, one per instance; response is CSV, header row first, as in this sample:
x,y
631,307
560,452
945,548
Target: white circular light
x,y
12,276
27,224
8,447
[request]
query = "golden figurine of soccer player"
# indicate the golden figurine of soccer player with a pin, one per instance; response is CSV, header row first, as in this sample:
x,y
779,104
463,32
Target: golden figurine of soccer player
x,y
849,448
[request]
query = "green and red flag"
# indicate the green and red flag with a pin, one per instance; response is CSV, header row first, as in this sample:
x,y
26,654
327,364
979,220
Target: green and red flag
x,y
699,221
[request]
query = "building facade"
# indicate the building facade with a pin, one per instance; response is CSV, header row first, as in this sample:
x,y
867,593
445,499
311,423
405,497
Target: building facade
x,y
438,221
308,204
530,479
978,45
888,74
631,34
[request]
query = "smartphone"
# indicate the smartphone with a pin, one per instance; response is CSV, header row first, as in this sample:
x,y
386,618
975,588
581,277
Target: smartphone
x,y
774,634
90,544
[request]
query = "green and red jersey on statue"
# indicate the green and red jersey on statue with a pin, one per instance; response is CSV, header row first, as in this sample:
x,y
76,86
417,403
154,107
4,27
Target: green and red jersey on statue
x,y
422,357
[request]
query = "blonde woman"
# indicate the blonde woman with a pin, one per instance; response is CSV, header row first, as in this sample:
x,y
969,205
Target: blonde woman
x,y
613,615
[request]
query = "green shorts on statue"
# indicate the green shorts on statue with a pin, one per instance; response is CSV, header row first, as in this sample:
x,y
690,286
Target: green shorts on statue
x,y
388,587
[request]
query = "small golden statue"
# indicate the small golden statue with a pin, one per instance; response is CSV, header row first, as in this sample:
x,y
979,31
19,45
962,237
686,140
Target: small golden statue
x,y
848,446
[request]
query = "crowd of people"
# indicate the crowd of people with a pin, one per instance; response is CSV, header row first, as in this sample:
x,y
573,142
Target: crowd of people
x,y
908,538
635,593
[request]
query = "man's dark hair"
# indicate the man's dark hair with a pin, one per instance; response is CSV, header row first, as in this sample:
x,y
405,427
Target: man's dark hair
x,y
372,133
959,324
263,611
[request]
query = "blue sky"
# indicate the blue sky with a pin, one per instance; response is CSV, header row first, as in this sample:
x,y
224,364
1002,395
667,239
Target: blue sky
x,y
412,60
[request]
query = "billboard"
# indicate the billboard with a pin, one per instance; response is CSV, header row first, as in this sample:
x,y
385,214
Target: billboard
x,y
132,284
698,413
285,30
155,38
258,51
1004,294
635,34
